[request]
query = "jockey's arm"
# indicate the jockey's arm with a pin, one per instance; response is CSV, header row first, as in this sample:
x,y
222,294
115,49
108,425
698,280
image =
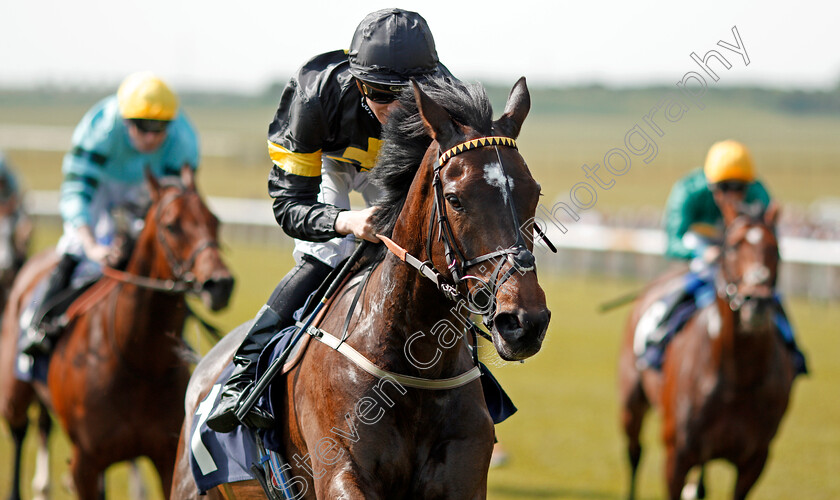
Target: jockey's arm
x,y
676,222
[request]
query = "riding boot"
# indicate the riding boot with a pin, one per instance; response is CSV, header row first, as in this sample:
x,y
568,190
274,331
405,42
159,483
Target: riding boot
x,y
41,335
223,418
800,366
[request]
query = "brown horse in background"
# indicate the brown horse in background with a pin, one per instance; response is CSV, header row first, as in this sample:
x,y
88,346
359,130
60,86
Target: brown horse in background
x,y
431,444
726,378
117,378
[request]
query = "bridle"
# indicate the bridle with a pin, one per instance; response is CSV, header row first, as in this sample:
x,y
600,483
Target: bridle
x,y
517,255
183,280
729,288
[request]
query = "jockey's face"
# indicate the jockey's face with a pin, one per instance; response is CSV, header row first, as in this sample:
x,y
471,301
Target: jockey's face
x,y
382,111
380,101
145,141
729,192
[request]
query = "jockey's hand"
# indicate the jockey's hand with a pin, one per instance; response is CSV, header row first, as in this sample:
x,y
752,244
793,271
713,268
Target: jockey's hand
x,y
711,254
98,253
94,250
358,223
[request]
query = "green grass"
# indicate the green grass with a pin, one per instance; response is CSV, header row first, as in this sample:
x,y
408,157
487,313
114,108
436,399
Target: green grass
x,y
564,442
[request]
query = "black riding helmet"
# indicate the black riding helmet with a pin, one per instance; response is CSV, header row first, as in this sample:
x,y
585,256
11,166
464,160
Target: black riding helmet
x,y
390,46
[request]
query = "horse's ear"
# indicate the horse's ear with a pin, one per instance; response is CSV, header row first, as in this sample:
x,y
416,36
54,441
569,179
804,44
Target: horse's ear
x,y
437,120
516,110
154,185
771,215
188,177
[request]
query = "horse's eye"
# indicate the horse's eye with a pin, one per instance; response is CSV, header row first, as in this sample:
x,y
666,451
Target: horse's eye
x,y
454,202
173,227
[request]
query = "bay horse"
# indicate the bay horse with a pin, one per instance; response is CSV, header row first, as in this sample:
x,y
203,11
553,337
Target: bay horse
x,y
726,377
461,210
118,375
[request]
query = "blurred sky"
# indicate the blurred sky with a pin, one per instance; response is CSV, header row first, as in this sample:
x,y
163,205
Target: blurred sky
x,y
245,45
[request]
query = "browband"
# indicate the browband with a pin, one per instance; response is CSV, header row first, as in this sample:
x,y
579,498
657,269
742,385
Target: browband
x,y
476,143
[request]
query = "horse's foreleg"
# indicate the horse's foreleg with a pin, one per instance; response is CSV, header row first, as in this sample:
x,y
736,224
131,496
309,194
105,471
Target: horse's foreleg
x,y
18,435
676,468
165,468
41,479
632,416
748,474
344,486
88,481
695,487
701,483
136,486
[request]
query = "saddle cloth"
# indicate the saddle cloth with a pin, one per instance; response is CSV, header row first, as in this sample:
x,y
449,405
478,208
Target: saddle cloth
x,y
217,458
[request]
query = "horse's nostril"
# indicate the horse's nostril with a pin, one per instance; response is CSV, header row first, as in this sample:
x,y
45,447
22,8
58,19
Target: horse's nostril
x,y
219,288
508,324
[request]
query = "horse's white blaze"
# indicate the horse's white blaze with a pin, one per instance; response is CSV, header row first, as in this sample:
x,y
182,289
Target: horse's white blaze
x,y
495,176
713,322
754,236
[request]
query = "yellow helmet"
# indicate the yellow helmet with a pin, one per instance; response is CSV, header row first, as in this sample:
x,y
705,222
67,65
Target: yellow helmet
x,y
729,161
144,96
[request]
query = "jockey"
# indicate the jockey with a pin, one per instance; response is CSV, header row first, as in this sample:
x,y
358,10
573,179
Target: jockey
x,y
141,127
324,139
694,230
11,205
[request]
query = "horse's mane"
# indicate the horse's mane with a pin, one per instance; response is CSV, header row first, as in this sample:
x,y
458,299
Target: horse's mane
x,y
405,140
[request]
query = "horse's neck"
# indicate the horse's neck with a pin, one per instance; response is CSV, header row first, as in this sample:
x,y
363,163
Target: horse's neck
x,y
415,323
745,356
163,309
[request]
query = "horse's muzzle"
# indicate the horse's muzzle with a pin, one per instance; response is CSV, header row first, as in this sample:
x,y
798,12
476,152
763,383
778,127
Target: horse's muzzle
x,y
216,291
520,332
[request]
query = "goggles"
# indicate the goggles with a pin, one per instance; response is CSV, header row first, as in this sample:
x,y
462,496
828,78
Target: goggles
x,y
731,186
150,126
384,94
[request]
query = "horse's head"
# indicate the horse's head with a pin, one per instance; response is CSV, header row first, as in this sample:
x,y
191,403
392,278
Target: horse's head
x,y
473,194
185,234
749,262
